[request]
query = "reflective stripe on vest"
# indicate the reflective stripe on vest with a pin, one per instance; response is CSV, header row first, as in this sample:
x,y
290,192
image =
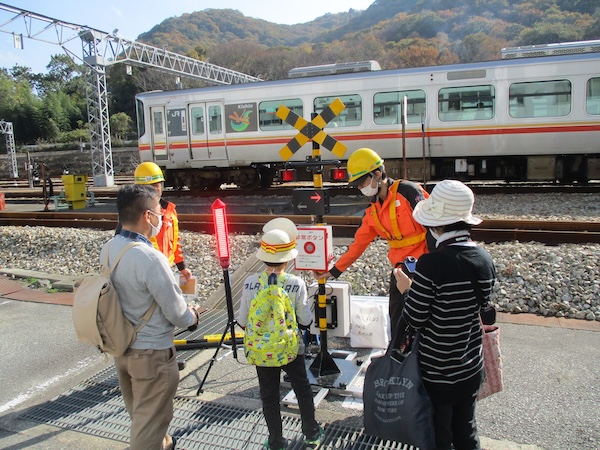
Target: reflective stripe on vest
x,y
408,241
395,240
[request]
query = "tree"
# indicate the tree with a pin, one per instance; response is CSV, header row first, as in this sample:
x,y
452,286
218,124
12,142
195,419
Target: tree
x,y
63,75
481,47
123,88
19,106
411,53
593,30
238,55
198,52
548,33
121,125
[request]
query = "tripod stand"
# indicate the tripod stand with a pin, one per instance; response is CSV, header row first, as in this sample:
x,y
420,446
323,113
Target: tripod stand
x,y
231,323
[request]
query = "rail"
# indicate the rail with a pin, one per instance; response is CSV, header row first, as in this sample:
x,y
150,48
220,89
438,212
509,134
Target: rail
x,y
549,232
23,192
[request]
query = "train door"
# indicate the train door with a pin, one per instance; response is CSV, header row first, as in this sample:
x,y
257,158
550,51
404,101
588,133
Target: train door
x,y
177,135
158,133
207,131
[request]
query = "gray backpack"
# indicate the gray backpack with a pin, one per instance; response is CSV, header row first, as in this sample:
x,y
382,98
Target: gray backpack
x,y
97,315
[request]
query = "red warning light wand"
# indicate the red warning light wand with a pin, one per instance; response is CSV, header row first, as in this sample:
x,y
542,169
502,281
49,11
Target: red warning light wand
x,y
221,232
222,235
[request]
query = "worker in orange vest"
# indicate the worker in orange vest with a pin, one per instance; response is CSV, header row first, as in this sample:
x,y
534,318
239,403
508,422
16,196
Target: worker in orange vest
x,y
167,239
389,216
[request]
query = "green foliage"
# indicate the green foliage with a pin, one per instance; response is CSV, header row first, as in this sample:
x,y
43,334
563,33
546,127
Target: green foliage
x,y
121,125
77,135
547,32
593,30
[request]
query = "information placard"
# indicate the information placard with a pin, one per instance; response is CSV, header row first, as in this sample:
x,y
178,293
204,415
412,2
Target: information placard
x,y
315,248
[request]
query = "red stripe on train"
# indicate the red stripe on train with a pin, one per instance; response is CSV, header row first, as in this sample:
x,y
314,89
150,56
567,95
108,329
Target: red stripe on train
x,y
394,135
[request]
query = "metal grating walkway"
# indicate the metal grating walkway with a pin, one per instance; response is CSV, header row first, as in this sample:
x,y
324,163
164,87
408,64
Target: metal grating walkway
x,y
96,407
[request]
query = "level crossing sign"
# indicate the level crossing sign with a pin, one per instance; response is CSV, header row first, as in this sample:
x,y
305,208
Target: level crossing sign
x,y
315,201
311,130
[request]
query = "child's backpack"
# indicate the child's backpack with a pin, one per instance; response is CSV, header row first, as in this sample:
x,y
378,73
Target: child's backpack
x,y
97,315
271,338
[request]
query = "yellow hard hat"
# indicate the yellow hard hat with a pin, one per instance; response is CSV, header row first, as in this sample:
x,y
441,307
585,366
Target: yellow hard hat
x,y
148,173
362,162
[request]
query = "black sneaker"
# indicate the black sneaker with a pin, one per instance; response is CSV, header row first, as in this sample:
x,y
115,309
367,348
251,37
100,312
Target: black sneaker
x,y
315,442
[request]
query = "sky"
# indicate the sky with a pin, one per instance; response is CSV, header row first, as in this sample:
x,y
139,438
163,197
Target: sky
x,y
133,17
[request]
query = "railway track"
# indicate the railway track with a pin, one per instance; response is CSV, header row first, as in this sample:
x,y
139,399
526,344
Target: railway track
x,y
23,192
548,232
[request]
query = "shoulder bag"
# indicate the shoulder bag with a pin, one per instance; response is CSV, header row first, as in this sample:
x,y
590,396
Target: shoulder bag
x,y
396,404
492,358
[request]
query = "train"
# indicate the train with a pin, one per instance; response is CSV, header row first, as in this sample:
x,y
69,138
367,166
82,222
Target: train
x,y
533,115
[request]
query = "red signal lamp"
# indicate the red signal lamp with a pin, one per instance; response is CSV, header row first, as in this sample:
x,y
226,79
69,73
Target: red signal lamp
x,y
287,175
338,174
221,232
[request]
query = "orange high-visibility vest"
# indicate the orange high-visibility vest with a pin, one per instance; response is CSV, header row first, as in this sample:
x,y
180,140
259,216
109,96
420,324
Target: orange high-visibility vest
x,y
167,239
392,221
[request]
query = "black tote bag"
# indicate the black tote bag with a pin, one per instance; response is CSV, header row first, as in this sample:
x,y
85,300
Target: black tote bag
x,y
396,404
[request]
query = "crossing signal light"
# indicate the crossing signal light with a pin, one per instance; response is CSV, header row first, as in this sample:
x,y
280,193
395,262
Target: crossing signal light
x,y
338,174
287,175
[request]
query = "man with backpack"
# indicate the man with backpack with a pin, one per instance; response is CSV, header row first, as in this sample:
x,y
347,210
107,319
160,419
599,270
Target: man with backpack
x,y
167,240
273,307
147,371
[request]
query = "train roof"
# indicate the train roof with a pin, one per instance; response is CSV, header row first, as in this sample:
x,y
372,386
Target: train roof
x,y
543,60
559,48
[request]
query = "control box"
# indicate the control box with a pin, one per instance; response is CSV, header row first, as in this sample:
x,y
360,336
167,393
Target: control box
x,y
337,295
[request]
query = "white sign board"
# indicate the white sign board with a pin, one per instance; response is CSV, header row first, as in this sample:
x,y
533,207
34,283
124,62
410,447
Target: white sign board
x,y
315,248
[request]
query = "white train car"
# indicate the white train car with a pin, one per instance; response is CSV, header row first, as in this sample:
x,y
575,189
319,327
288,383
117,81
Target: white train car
x,y
513,119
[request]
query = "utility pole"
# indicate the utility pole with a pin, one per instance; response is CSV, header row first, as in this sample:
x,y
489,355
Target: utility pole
x,y
6,128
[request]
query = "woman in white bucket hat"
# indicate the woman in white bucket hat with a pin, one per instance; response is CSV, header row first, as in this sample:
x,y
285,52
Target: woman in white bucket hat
x,y
450,202
277,248
444,299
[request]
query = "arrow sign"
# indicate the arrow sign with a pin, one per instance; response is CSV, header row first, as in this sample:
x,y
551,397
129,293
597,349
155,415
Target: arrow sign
x,y
311,130
310,201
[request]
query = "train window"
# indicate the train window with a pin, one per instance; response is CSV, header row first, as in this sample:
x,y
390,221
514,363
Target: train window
x,y
158,122
269,121
351,116
540,99
215,120
467,103
197,120
592,96
387,107
141,124
176,124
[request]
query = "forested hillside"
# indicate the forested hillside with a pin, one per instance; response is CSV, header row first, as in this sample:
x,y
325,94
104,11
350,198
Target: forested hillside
x,y
397,33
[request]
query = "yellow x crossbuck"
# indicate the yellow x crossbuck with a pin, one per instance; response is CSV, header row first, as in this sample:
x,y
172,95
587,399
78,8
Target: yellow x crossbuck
x,y
312,130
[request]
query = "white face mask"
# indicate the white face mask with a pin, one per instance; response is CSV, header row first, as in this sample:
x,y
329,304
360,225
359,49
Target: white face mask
x,y
369,190
155,229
